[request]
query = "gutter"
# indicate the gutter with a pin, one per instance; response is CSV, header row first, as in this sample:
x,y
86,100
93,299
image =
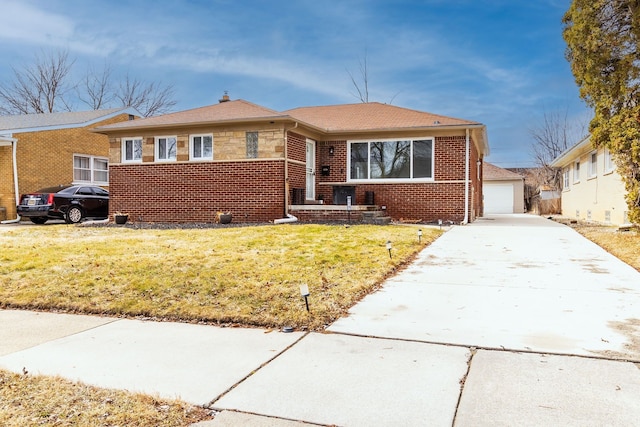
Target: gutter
x,y
14,143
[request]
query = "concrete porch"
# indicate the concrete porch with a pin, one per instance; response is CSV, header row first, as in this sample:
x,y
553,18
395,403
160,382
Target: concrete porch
x,y
315,212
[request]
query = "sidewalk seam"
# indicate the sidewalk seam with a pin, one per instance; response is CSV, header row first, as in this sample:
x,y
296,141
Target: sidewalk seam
x,y
215,399
463,381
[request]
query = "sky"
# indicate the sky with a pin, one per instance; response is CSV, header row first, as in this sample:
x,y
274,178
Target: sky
x,y
498,62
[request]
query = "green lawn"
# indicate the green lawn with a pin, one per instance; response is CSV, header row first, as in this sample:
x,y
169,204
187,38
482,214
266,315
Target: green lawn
x,y
243,275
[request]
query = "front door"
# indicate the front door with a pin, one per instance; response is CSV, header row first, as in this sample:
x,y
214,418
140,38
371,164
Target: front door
x,y
311,170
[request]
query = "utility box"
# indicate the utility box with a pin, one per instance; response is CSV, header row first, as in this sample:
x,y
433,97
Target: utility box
x,y
340,193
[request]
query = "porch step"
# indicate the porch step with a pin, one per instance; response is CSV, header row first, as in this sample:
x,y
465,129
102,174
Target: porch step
x,y
382,220
375,217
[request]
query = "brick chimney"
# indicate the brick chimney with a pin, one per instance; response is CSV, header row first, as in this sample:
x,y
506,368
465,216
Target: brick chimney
x,y
225,97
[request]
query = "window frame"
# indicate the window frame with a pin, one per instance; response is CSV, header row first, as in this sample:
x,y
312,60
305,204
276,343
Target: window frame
x,y
410,179
609,165
566,186
592,169
123,145
156,148
192,155
92,169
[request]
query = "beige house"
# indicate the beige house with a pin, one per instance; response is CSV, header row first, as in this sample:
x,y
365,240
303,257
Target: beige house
x,y
592,190
503,190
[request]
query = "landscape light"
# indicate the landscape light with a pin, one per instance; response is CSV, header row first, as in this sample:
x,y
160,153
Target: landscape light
x,y
304,291
389,247
419,235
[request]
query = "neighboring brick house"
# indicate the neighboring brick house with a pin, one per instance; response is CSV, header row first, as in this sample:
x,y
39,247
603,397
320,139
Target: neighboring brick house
x,y
45,150
592,190
261,164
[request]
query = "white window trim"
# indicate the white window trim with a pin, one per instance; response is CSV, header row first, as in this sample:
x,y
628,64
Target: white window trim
x,y
392,180
608,161
592,171
576,172
123,158
566,186
156,148
191,156
91,168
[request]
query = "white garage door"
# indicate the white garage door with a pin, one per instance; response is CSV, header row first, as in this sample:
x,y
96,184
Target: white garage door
x,y
498,198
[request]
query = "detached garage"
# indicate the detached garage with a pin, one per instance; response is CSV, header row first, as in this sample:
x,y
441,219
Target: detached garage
x,y
503,190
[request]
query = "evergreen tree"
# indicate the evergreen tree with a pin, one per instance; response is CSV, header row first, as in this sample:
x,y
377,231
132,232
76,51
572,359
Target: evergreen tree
x,y
602,39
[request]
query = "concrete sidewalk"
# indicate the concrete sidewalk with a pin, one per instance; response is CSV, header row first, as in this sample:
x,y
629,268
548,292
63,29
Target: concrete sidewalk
x,y
512,320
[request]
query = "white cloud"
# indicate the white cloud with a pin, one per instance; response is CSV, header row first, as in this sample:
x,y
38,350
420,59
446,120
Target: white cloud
x,y
24,23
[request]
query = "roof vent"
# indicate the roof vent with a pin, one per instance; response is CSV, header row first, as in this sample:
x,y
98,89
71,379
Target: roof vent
x,y
225,97
436,122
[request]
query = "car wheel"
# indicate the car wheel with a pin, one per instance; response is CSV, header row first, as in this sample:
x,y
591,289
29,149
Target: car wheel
x,y
38,219
74,215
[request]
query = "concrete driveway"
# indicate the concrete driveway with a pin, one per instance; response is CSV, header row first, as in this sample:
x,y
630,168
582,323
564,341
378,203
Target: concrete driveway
x,y
512,320
516,282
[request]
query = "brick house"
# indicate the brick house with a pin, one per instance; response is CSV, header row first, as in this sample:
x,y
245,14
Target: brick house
x,y
262,165
45,150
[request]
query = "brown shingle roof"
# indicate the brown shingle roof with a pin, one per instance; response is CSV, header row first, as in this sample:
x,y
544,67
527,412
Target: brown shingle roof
x,y
237,110
347,118
370,116
494,173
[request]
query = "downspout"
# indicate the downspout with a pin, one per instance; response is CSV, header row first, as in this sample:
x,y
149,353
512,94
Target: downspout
x,y
466,181
14,142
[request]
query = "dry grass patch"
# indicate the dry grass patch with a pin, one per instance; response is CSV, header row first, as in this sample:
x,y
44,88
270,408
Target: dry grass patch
x,y
247,275
27,400
622,244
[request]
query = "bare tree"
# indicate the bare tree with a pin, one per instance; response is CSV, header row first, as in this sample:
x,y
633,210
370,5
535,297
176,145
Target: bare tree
x,y
362,91
551,138
46,87
149,99
39,88
95,89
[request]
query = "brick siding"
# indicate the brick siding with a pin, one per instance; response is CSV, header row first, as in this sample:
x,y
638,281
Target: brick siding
x,y
425,202
253,191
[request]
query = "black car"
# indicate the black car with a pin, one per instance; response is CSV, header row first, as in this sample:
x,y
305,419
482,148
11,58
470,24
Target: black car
x,y
71,203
